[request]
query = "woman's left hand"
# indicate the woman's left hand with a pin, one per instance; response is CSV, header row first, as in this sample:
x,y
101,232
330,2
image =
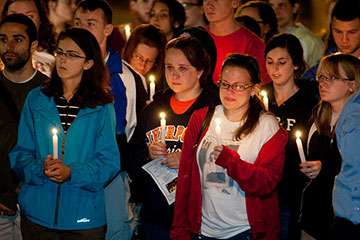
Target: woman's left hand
x,y
311,168
217,151
172,160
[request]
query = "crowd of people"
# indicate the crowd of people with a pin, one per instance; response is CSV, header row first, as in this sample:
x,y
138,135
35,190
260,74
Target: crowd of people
x,y
199,119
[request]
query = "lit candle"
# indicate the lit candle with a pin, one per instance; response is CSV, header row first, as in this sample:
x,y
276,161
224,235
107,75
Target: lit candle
x,y
55,144
163,125
152,87
127,32
300,147
265,100
218,131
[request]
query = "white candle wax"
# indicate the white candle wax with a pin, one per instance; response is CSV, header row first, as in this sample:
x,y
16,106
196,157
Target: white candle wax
x,y
152,87
218,131
163,126
265,100
55,144
300,147
127,32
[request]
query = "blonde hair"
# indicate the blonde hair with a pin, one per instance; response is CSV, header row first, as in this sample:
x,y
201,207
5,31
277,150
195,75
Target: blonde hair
x,y
322,112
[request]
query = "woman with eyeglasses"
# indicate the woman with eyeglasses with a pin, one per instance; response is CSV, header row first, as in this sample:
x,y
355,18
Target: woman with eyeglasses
x,y
263,14
291,100
338,77
194,13
145,51
64,171
187,70
236,198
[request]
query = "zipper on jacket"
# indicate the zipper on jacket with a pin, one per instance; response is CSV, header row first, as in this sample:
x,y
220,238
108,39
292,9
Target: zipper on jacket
x,y
57,205
59,185
62,158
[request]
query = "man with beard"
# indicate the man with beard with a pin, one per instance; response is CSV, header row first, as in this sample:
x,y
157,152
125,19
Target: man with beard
x,y
18,41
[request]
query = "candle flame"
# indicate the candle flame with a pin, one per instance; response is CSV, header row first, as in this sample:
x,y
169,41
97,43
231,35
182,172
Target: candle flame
x,y
152,78
298,134
127,28
54,131
217,121
263,93
162,115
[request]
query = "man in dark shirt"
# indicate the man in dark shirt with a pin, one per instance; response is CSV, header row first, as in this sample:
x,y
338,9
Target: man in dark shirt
x,y
18,41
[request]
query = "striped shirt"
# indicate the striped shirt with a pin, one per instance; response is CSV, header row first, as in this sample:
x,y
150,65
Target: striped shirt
x,y
67,111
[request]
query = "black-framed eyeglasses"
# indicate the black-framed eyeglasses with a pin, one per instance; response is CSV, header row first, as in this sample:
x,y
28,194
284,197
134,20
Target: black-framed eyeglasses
x,y
190,5
68,55
321,78
236,87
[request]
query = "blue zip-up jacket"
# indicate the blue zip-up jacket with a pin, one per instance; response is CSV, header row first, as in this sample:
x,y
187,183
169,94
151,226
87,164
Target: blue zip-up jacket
x,y
91,152
118,89
347,183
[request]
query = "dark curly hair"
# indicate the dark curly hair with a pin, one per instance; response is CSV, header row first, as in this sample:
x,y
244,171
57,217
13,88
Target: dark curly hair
x,y
94,88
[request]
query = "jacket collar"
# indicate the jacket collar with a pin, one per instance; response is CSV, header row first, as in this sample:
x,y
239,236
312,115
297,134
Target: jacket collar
x,y
114,62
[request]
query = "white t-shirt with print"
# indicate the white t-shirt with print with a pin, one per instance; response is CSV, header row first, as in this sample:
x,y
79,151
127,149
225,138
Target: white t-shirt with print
x,y
223,202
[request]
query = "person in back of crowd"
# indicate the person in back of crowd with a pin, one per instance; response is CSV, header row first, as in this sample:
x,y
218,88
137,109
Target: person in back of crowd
x,y
336,76
96,17
230,37
263,14
250,23
169,16
62,195
144,51
291,99
61,13
286,14
187,69
18,41
344,31
194,13
43,59
227,181
346,190
140,14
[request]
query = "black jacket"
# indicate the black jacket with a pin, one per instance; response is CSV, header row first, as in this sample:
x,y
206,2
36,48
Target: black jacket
x,y
155,208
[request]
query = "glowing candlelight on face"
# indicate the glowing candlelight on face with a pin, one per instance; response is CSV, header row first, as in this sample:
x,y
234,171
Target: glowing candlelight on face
x,y
218,131
55,144
127,32
300,147
163,125
265,100
152,87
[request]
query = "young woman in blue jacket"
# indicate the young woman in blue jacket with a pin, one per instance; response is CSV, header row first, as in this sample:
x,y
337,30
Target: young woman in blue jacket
x,y
63,198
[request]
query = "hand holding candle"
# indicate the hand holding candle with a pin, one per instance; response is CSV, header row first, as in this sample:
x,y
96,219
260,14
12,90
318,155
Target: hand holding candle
x,y
163,126
218,131
300,147
265,100
127,32
152,87
55,144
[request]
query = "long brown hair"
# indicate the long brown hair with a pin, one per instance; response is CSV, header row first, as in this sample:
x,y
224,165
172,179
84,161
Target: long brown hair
x,y
94,88
322,112
256,106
